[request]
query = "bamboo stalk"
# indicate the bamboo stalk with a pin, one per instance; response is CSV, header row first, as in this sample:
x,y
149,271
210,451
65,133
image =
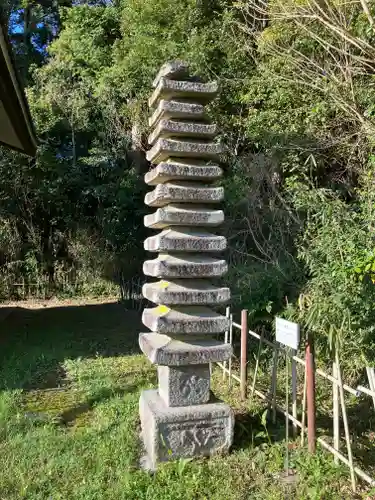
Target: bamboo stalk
x,y
243,360
234,377
294,392
336,413
310,394
227,313
287,410
371,381
231,343
346,426
366,10
361,388
304,399
256,367
274,384
371,372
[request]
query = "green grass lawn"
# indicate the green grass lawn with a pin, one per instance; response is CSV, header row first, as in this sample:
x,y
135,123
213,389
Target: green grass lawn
x,y
70,379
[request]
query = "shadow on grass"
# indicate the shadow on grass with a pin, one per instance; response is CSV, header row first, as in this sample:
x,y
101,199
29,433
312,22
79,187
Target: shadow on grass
x,y
250,431
35,342
71,415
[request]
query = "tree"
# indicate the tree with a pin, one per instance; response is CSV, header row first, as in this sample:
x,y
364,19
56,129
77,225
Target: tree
x,y
32,26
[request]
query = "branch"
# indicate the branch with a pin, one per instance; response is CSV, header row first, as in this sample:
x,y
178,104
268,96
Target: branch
x,y
366,10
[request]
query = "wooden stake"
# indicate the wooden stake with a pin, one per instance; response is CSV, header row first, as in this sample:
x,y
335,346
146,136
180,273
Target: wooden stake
x,y
294,391
346,426
310,381
336,412
231,343
287,410
256,365
371,381
243,361
274,383
304,409
227,314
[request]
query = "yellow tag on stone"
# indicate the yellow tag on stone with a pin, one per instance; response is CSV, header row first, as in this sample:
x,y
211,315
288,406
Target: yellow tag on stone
x,y
163,284
162,310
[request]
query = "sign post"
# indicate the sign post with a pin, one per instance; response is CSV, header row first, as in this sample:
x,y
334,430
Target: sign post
x,y
287,334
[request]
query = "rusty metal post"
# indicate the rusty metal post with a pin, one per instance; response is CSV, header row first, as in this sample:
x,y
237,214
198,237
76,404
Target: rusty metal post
x,y
310,381
244,334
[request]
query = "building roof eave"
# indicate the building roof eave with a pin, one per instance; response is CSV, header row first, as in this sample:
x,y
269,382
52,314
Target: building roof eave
x,y
16,126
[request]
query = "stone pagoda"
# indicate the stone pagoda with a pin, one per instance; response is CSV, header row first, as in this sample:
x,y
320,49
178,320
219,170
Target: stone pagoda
x,y
182,418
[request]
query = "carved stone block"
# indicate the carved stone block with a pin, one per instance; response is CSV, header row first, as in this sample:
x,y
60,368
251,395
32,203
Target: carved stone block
x,y
176,89
184,385
185,292
195,320
180,214
177,351
177,109
175,128
185,431
165,148
183,192
185,240
188,170
185,265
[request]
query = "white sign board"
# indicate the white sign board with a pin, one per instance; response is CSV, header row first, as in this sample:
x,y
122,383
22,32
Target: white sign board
x,y
287,333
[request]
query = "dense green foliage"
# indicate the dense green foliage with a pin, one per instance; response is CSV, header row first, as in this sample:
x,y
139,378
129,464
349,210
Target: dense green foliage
x,y
296,112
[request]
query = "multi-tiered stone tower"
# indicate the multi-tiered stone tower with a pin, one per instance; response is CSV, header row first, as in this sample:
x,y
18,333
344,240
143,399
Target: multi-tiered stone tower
x,y
182,418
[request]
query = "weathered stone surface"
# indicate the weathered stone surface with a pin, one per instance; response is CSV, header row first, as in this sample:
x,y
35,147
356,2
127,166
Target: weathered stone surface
x,y
185,292
182,239
185,266
166,148
164,350
179,420
177,89
174,128
196,320
177,110
184,171
174,70
177,214
183,192
184,385
186,431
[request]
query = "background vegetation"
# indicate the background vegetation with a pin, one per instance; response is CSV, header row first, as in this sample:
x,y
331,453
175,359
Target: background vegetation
x,y
296,110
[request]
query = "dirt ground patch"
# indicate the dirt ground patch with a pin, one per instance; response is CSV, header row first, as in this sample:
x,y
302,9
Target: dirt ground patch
x,y
54,302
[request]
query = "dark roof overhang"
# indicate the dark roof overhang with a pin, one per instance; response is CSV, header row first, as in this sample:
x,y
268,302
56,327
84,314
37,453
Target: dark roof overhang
x,y
16,126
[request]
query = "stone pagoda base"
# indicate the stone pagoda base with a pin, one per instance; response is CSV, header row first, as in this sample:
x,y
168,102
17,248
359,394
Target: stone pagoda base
x,y
169,433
